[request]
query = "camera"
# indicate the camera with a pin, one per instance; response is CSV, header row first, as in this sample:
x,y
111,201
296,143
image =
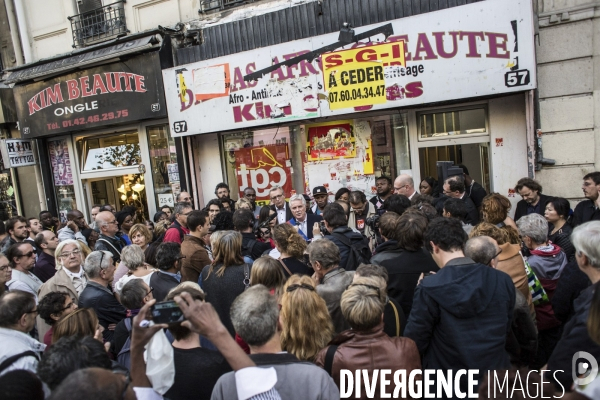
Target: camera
x,y
322,228
166,312
373,222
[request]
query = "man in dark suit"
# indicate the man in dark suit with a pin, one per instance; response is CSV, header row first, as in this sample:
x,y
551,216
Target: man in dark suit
x,y
473,189
454,187
279,205
588,209
533,199
168,262
305,222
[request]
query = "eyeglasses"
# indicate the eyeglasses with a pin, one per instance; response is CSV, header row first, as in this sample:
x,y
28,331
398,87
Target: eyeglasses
x,y
69,254
70,305
4,267
113,222
291,288
186,214
150,291
29,254
496,255
33,311
276,197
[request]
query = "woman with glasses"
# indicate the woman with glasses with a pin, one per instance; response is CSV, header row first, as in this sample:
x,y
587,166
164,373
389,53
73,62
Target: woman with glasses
x,y
132,258
52,308
306,324
69,278
226,278
366,346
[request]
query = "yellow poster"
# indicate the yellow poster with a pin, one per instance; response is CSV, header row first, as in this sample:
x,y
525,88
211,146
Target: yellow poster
x,y
355,77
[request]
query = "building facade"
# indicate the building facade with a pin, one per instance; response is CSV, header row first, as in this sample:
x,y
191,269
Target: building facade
x,y
568,57
88,94
257,116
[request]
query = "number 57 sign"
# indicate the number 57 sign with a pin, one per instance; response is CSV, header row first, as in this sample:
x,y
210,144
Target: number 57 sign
x,y
517,78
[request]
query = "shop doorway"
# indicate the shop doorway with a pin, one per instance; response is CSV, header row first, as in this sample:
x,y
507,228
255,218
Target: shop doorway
x,y
474,156
119,191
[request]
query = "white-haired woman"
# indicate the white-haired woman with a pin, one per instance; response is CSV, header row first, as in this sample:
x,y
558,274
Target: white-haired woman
x,y
547,261
132,257
69,278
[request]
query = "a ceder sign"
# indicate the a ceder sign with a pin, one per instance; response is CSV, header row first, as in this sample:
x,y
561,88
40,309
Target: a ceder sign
x,y
481,49
114,93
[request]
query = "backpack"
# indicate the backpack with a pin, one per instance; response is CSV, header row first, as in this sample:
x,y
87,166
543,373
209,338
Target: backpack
x,y
124,356
359,252
247,251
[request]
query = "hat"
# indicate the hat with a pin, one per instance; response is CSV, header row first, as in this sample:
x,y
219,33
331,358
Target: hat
x,y
319,190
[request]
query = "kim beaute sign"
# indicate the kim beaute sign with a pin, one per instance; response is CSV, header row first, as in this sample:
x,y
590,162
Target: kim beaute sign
x,y
480,49
125,91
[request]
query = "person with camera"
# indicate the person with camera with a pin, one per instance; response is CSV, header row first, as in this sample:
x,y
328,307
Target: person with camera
x,y
354,248
361,210
243,221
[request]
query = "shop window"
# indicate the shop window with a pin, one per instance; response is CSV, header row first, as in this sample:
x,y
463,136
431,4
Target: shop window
x,y
110,152
60,162
163,160
450,123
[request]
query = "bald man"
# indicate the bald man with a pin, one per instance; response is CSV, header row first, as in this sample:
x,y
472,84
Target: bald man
x,y
75,224
108,240
405,185
483,250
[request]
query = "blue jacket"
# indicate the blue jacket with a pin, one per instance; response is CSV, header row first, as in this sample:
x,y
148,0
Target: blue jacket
x,y
461,316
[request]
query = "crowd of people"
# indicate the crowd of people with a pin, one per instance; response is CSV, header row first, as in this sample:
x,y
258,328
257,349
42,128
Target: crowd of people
x,y
278,300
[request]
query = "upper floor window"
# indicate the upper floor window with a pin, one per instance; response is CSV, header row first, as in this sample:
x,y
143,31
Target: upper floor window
x,y
449,123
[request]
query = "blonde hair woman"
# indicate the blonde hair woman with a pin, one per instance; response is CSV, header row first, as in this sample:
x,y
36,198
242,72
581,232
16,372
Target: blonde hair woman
x,y
267,271
292,247
306,324
227,276
243,203
366,346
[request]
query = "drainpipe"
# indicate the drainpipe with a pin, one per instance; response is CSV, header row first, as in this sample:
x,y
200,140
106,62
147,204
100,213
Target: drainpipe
x,y
23,31
540,161
14,35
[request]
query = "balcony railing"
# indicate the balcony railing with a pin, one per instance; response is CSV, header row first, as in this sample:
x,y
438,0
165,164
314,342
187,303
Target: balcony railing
x,y
102,23
211,5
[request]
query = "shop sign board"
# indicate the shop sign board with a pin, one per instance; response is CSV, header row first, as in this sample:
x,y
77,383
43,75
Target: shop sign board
x,y
125,91
262,168
17,153
480,49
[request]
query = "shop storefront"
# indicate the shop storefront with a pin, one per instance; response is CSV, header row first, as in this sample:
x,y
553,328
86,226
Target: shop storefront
x,y
102,131
396,98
